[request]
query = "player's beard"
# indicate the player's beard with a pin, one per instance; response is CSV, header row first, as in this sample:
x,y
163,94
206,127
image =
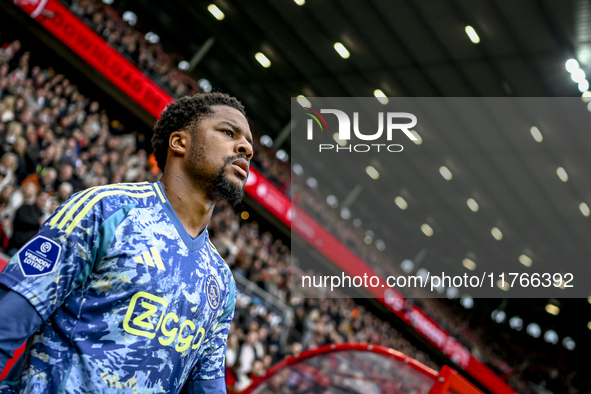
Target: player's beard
x,y
224,189
220,186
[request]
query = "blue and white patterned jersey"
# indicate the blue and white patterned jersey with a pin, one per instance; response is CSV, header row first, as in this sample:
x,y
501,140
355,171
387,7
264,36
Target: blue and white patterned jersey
x,y
131,303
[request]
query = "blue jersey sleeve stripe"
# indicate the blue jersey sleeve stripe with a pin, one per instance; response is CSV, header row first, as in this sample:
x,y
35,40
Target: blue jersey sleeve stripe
x,y
99,197
83,196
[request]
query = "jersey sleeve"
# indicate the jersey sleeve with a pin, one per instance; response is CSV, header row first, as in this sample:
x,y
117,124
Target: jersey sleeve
x,y
208,376
18,320
59,258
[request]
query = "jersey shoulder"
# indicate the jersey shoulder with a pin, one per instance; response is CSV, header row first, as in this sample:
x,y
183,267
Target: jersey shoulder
x,y
99,203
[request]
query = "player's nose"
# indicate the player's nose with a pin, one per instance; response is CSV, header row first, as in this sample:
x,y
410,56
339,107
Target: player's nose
x,y
244,147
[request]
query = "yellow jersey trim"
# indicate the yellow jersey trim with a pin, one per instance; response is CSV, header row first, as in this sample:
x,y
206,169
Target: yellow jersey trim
x,y
96,199
79,200
159,192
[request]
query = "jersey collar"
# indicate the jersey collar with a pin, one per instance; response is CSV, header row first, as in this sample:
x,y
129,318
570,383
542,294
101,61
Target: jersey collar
x,y
193,244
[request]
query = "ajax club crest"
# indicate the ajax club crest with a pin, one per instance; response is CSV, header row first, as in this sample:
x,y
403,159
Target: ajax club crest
x,y
212,291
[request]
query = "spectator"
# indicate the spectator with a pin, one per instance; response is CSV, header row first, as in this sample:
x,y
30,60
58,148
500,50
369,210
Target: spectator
x,y
8,166
232,350
19,149
249,352
64,192
8,51
257,372
33,151
3,93
27,219
8,109
67,175
47,180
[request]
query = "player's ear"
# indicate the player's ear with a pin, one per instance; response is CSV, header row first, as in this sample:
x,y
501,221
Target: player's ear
x,y
178,142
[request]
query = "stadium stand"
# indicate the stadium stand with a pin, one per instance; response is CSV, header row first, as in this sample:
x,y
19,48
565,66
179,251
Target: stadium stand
x,y
55,141
160,66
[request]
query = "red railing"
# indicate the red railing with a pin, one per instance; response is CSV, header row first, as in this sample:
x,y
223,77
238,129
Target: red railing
x,y
447,380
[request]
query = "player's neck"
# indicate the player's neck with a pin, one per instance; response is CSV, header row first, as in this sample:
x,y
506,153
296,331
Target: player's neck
x,y
192,206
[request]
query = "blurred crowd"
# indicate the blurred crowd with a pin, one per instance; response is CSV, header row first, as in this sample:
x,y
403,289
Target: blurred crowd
x,y
54,141
149,57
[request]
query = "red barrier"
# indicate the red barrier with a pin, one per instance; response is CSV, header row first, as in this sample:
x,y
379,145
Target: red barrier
x,y
64,25
449,381
358,366
399,359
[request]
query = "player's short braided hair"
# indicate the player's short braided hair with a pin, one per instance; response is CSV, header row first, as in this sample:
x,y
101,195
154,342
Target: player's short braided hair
x,y
184,113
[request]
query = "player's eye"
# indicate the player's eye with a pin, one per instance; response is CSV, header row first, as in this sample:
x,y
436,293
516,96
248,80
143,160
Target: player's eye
x,y
229,132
